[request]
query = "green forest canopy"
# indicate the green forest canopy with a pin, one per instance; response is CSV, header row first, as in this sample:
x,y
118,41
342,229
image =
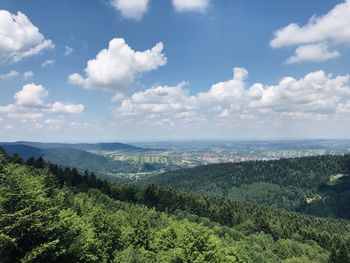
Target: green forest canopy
x,y
54,214
318,185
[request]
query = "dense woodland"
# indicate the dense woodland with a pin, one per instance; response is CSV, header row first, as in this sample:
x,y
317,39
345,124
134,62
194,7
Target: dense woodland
x,y
54,214
317,185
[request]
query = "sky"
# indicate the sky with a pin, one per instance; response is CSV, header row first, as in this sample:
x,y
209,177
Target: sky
x,y
135,70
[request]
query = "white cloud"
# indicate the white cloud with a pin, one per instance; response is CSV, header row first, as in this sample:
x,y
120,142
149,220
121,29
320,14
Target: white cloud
x,y
77,79
190,5
316,96
20,38
30,104
228,90
47,44
31,95
117,67
48,63
28,74
67,108
118,96
11,108
10,75
159,99
68,51
344,107
330,29
313,52
51,124
131,9
334,26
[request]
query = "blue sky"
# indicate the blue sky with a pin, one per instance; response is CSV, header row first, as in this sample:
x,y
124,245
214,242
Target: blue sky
x,y
168,74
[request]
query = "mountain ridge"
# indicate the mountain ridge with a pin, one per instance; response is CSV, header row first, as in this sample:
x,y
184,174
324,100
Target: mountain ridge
x,y
73,157
101,146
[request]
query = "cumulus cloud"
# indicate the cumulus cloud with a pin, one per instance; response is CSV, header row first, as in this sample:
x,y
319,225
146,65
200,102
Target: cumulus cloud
x,y
10,75
227,90
313,52
131,9
117,67
48,63
30,104
316,96
67,108
332,28
190,5
31,95
158,99
20,38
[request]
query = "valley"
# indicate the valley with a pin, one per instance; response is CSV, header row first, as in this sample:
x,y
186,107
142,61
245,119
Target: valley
x,y
141,160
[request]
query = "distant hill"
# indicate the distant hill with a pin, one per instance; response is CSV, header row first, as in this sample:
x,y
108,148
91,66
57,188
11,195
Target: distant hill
x,y
77,158
89,161
24,151
317,185
82,146
108,147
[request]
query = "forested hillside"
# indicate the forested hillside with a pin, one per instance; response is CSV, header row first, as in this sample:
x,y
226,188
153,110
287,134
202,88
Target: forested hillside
x,y
76,158
54,214
317,185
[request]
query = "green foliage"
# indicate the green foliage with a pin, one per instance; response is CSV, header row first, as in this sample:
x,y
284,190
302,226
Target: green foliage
x,y
340,255
300,184
41,222
55,214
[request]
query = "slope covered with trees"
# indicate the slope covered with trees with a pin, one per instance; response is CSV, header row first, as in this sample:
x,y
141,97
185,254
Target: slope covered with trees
x,y
77,158
317,185
54,214
41,220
